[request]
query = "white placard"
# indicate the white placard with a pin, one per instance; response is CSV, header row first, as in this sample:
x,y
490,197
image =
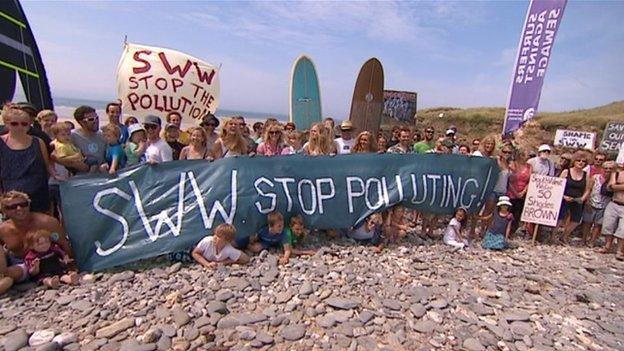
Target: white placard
x,y
575,139
543,200
156,81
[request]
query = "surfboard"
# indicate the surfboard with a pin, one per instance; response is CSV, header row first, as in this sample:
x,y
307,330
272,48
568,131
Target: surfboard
x,y
305,95
368,98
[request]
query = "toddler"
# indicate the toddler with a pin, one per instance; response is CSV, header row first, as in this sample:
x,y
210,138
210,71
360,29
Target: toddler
x,y
115,155
453,235
46,261
273,235
65,150
218,249
369,232
295,235
397,225
137,143
499,229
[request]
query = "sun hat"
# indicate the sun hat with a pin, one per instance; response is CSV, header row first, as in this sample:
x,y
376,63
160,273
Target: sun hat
x,y
449,131
544,147
346,125
503,200
151,119
209,118
133,128
170,125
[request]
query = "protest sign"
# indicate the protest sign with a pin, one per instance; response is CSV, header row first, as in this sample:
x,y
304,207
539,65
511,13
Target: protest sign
x,y
543,200
150,210
613,137
400,105
536,42
575,139
157,81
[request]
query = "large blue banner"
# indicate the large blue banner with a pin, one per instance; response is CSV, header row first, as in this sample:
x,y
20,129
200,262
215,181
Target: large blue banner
x,y
151,210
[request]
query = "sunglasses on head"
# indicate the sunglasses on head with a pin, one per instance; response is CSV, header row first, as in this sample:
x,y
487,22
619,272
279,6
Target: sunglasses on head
x,y
23,204
23,124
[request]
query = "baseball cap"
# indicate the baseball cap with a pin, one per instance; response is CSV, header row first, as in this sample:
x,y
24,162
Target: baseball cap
x,y
170,125
544,147
450,131
151,119
346,125
133,128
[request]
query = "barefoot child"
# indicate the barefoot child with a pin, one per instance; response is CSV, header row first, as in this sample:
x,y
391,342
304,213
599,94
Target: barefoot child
x,y
397,224
499,229
46,261
369,232
115,155
273,235
217,249
296,233
453,235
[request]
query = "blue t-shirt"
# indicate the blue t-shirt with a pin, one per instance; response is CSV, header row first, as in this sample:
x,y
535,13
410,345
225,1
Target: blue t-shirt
x,y
124,136
116,152
271,239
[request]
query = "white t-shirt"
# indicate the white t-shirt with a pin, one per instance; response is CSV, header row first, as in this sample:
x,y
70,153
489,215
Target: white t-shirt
x,y
450,234
159,152
344,146
542,166
209,251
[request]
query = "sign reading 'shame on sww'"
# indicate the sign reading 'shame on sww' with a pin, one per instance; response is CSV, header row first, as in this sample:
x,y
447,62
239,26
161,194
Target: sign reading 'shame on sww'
x,y
151,210
575,139
152,80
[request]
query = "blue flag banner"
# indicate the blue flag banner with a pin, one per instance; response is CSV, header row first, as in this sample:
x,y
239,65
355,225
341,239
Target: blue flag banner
x,y
151,210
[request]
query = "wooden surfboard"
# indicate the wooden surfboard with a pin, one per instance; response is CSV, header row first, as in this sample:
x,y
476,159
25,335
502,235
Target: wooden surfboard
x,y
305,95
368,98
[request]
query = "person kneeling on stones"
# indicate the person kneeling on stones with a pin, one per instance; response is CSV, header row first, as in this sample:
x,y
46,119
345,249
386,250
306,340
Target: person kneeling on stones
x,y
217,249
369,232
47,263
296,234
500,227
273,235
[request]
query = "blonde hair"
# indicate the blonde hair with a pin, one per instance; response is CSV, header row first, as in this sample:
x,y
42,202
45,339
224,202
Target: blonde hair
x,y
358,148
272,127
296,219
113,129
225,231
46,113
58,127
323,143
234,142
11,110
274,217
33,236
202,131
12,195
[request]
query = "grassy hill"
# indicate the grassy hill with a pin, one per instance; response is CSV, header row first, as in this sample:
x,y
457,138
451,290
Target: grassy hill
x,y
479,122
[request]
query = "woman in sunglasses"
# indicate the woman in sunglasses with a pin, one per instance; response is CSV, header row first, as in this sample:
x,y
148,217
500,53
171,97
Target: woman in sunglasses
x,y
273,143
24,163
576,192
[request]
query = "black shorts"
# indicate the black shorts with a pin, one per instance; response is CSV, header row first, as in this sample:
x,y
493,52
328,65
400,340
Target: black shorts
x,y
575,209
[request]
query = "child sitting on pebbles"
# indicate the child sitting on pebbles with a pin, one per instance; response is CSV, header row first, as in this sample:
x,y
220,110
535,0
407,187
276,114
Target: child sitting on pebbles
x,y
47,263
453,235
273,235
217,249
369,232
296,234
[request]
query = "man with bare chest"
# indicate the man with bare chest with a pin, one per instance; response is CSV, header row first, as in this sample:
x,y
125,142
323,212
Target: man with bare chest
x,y
20,221
613,221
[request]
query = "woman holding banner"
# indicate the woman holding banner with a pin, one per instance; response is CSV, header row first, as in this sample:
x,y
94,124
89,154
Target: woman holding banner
x,y
273,143
576,192
321,141
364,143
197,148
231,142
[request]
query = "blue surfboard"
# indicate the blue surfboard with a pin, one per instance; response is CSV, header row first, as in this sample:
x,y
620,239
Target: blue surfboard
x,y
305,95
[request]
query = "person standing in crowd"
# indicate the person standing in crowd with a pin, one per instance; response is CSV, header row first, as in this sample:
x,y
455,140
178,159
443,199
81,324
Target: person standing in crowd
x,y
565,162
428,143
576,192
231,142
197,148
321,141
404,145
416,136
20,220
175,118
35,127
157,151
394,136
290,127
518,186
542,164
46,119
172,137
599,197
364,143
329,123
273,143
345,142
463,150
451,138
475,144
294,143
130,121
24,162
382,144
88,139
258,131
113,111
487,147
613,221
597,166
252,146
210,124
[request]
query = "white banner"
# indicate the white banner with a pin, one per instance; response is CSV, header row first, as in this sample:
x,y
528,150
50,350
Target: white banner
x,y
156,81
575,139
543,200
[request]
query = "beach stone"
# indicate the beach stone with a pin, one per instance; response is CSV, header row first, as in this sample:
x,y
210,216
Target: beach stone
x,y
518,315
164,343
521,328
65,338
119,277
174,268
283,297
326,321
342,303
391,304
293,332
115,328
365,316
7,328
306,288
418,310
41,337
180,317
15,340
472,344
264,337
224,295
236,283
168,330
439,303
50,346
424,327
65,299
367,343
216,307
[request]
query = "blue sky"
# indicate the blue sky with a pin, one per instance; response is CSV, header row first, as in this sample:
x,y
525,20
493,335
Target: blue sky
x,y
452,53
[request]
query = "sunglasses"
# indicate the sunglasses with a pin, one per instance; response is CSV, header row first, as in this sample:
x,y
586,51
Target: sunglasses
x,y
148,126
599,159
429,131
505,152
91,119
23,124
274,132
584,161
566,159
24,204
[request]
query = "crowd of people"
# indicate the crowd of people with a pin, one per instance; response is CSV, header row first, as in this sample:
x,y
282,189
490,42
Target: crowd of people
x,y
38,152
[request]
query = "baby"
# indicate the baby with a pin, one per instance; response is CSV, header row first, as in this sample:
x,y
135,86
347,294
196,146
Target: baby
x,y
65,150
46,261
217,249
115,155
397,223
135,148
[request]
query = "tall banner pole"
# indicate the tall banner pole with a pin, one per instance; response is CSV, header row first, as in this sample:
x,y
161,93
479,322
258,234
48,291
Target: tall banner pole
x,y
534,52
